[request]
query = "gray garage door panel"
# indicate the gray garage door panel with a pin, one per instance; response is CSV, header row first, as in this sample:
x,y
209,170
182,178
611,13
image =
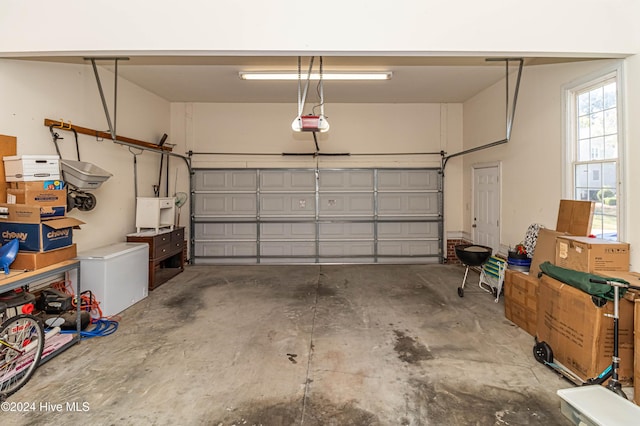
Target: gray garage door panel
x,y
288,248
226,231
225,248
226,180
346,248
342,204
288,180
408,230
351,180
285,205
226,205
346,231
403,180
316,216
408,248
408,204
287,260
287,231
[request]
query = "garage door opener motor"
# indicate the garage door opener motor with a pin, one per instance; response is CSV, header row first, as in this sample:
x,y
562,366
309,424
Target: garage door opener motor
x,y
311,122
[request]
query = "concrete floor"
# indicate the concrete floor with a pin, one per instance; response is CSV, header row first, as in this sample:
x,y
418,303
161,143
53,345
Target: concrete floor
x,y
302,345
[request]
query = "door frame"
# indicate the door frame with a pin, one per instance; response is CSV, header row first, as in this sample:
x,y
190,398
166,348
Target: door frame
x,y
474,167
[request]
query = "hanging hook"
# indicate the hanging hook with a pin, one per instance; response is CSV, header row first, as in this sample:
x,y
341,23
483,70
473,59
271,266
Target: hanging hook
x,y
135,153
62,126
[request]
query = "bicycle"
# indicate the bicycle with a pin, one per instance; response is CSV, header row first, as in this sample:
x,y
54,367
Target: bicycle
x,y
21,346
543,353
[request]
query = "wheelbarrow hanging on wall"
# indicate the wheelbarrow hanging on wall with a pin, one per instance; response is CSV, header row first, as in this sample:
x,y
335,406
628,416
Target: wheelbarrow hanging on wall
x,y
79,176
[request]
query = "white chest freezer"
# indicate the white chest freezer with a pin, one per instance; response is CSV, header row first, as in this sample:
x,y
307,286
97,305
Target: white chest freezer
x,y
117,274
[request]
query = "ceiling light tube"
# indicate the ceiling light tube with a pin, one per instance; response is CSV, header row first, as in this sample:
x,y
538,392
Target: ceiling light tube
x,y
259,75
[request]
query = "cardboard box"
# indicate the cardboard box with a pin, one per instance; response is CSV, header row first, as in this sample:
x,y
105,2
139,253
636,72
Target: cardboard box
x,y
31,167
580,333
52,202
545,250
33,260
575,217
23,221
49,185
8,147
633,278
521,300
591,255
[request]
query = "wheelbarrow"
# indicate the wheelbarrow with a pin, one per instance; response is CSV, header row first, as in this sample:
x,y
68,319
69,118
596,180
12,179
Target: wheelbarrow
x,y
79,176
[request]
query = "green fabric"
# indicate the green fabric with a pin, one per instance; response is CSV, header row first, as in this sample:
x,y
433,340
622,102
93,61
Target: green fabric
x,y
581,281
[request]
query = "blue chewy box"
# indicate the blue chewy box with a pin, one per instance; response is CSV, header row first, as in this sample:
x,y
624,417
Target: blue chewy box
x,y
23,221
37,237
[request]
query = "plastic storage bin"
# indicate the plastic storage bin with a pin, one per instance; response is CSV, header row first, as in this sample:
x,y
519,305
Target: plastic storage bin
x,y
597,406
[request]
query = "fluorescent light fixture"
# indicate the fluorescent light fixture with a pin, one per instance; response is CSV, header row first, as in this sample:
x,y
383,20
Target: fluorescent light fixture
x,y
266,75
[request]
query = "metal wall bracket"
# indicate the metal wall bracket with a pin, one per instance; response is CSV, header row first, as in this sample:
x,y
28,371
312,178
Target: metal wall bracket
x,y
110,123
510,109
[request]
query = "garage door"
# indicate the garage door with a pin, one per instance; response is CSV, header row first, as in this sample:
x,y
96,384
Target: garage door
x,y
316,216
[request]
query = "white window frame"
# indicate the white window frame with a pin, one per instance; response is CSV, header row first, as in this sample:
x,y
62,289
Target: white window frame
x,y
568,124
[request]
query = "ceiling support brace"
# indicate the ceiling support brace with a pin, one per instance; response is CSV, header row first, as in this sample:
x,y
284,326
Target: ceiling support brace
x,y
145,146
112,126
509,112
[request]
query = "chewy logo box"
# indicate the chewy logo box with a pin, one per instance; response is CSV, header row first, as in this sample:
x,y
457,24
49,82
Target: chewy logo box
x,y
23,222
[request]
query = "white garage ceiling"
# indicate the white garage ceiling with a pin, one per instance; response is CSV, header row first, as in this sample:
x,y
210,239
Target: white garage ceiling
x,y
215,78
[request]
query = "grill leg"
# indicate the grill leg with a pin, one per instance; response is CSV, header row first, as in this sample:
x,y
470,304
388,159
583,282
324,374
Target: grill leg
x,y
464,280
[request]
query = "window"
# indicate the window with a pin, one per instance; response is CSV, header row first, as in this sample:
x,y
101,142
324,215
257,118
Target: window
x,y
594,116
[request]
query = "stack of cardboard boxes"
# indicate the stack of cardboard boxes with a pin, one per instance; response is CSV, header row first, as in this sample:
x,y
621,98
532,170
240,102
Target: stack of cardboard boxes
x,y
35,212
578,330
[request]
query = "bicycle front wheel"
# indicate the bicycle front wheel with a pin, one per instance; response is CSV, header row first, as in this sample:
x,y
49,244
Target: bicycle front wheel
x,y
21,345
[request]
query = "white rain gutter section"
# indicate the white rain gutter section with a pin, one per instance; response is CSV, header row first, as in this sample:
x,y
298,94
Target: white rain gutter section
x,y
509,114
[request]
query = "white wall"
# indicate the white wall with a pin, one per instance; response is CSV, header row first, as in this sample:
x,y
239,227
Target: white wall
x,y
355,129
532,160
632,171
338,26
33,91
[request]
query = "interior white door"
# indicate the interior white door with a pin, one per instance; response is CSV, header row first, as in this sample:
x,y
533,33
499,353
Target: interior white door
x,y
486,206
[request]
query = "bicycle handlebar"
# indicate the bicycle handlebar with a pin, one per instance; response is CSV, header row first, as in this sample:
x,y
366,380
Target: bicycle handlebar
x,y
613,283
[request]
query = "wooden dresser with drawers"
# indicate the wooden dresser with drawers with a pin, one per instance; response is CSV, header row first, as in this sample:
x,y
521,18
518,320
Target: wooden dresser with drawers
x,y
166,257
